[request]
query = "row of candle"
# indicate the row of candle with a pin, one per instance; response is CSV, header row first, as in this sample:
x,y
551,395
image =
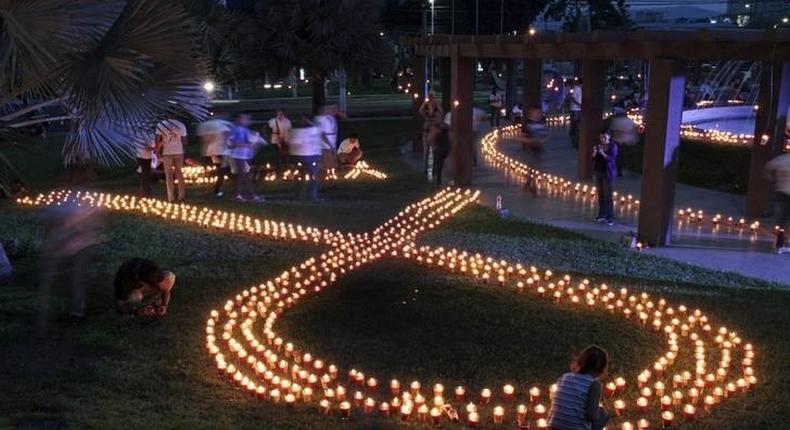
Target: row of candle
x,y
525,173
279,371
207,174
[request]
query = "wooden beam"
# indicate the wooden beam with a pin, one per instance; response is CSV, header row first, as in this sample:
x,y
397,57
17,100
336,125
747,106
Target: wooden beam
x,y
533,82
769,128
591,121
461,131
418,67
660,159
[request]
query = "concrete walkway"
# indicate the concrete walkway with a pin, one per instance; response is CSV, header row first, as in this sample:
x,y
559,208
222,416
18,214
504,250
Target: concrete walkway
x,y
726,249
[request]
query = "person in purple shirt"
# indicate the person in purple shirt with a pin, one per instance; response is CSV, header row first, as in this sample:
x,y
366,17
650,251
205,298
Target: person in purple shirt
x,y
605,159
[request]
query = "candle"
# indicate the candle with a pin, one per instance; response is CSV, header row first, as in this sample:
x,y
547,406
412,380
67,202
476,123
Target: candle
x,y
307,394
370,405
666,403
415,387
485,396
436,416
620,384
619,406
395,387
627,426
540,411
473,418
641,404
689,411
372,384
499,414
507,392
460,393
609,389
666,418
643,424
384,409
438,390
534,394
422,413
325,406
345,410
542,424
405,411
290,399
521,413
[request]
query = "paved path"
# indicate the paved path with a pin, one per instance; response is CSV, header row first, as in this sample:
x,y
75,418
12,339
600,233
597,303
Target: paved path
x,y
726,249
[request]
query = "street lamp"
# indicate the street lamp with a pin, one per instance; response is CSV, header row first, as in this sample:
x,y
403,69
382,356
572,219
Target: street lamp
x,y
209,86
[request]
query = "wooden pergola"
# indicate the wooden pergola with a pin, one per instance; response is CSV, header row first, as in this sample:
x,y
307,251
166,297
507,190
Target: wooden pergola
x,y
666,53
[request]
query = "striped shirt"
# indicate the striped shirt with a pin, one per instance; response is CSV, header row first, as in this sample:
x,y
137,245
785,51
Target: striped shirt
x,y
570,402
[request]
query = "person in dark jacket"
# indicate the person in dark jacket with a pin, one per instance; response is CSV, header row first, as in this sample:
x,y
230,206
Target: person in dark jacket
x,y
143,288
605,157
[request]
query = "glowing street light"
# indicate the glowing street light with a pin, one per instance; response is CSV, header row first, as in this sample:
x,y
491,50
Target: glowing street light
x,y
209,86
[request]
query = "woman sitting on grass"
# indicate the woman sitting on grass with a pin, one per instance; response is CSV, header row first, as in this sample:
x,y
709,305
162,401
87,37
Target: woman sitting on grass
x,y
576,404
142,288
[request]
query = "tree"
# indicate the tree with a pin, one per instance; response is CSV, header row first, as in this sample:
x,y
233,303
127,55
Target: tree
x,y
321,36
112,68
604,14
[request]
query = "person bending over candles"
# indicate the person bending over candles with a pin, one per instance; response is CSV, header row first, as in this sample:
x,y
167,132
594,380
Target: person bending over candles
x,y
143,288
576,404
349,152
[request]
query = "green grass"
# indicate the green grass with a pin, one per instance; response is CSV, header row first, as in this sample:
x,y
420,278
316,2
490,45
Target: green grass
x,y
391,318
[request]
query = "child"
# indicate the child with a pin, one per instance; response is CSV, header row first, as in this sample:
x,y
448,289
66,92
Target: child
x,y
578,396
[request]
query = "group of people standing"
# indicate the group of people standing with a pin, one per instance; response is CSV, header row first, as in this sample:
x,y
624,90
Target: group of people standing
x,y
230,148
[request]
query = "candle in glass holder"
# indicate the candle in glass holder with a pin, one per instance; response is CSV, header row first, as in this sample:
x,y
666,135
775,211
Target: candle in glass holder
x,y
666,403
422,413
641,404
677,397
659,387
627,426
325,406
460,393
436,416
405,411
507,392
290,399
415,387
552,391
485,396
274,395
542,424
642,424
534,394
619,384
689,412
473,418
609,389
419,400
384,409
345,410
499,414
619,407
709,402
395,387
358,398
666,418
540,411
438,390
521,413
372,384
370,405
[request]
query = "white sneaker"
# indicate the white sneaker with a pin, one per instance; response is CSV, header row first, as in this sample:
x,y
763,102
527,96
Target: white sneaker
x,y
783,250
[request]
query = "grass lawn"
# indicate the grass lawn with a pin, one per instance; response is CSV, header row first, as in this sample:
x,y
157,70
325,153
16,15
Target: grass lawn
x,y
391,318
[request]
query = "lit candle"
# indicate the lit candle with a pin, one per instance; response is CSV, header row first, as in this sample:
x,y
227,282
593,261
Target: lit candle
x,y
499,414
543,424
521,413
290,399
619,406
473,418
415,387
534,394
507,392
641,404
485,396
627,426
689,411
395,387
666,418
422,413
643,424
460,393
436,416
620,384
325,406
384,409
610,389
540,411
405,411
345,410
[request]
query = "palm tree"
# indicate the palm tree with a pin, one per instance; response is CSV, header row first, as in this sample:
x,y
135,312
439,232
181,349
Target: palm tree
x,y
322,36
110,68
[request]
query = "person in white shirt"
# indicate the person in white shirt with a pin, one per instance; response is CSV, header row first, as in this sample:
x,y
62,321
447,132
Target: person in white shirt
x,y
575,108
171,136
778,171
517,113
215,139
495,103
326,122
145,152
305,146
244,144
280,126
349,152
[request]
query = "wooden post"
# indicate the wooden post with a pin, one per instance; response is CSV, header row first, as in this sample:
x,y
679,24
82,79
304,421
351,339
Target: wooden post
x,y
591,120
418,67
533,82
446,77
461,131
662,141
510,85
769,126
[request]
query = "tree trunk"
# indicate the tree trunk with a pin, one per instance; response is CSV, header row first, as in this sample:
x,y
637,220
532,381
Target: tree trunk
x,y
319,94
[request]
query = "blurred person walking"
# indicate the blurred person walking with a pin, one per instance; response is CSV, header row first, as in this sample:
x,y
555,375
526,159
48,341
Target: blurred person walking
x,y
495,105
243,146
145,161
215,137
624,134
575,102
326,121
171,136
433,115
305,146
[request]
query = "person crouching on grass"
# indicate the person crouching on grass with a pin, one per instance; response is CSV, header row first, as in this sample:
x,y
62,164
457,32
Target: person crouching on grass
x,y
576,404
143,288
349,152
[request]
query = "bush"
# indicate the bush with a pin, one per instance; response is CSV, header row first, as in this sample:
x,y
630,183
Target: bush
x,y
707,165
